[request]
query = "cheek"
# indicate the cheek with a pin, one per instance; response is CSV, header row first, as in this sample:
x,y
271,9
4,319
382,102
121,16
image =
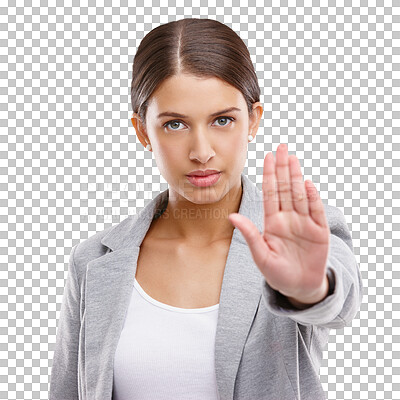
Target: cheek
x,y
236,145
235,152
167,156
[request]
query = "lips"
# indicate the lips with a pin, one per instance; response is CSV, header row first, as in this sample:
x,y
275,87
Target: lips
x,y
205,180
206,172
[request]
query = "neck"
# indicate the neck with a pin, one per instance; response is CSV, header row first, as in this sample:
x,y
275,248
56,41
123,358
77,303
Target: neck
x,y
199,223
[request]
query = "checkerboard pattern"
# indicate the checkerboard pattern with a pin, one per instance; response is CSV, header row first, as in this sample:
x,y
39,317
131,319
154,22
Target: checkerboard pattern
x,y
329,73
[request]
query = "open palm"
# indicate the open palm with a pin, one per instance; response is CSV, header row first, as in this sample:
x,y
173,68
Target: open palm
x,y
293,249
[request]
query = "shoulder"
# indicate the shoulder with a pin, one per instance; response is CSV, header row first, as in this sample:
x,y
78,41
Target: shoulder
x,y
334,215
337,224
91,248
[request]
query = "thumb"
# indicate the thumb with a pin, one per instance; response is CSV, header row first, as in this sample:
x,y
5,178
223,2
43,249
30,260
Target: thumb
x,y
254,239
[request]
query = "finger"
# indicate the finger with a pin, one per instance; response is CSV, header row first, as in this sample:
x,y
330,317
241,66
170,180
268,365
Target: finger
x,y
270,193
283,178
316,207
254,239
299,195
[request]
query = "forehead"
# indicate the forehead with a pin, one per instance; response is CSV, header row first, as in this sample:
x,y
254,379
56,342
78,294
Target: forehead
x,y
190,95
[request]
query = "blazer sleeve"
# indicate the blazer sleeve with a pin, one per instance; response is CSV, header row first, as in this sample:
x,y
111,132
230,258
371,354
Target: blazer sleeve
x,y
64,372
341,305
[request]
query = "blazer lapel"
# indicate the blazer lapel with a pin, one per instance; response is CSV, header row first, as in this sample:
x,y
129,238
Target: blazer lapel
x,y
109,285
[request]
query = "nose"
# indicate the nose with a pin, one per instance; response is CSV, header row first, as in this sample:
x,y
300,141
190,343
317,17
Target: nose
x,y
201,148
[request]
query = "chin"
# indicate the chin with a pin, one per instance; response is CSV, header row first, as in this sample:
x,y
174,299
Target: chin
x,y
202,195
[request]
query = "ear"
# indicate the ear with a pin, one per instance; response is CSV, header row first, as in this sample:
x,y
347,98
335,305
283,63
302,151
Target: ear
x,y
255,118
140,129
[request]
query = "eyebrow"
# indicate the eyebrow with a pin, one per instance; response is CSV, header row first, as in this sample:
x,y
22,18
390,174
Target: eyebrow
x,y
176,115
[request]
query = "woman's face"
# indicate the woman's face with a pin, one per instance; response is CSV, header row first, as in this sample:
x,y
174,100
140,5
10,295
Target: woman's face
x,y
202,137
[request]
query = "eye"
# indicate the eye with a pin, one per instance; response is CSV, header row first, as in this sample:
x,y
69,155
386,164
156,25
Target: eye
x,y
177,122
172,122
225,119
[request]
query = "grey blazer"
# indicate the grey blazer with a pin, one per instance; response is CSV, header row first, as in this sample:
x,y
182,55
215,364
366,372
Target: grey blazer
x,y
264,348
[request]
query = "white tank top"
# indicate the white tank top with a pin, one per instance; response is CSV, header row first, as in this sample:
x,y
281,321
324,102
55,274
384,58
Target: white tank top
x,y
165,352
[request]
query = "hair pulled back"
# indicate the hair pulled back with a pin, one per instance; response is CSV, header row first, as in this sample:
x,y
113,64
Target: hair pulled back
x,y
201,47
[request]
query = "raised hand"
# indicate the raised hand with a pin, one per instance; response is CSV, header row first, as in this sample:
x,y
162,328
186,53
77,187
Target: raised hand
x,y
292,251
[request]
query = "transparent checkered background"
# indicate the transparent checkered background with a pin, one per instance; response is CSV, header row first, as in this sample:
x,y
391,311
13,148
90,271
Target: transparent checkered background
x,y
71,164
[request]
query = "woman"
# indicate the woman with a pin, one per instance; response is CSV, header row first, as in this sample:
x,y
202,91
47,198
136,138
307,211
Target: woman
x,y
215,290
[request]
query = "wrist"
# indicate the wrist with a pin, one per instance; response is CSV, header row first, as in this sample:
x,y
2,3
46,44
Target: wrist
x,y
322,294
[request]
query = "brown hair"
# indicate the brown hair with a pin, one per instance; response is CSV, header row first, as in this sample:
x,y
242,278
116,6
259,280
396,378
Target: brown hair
x,y
197,46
